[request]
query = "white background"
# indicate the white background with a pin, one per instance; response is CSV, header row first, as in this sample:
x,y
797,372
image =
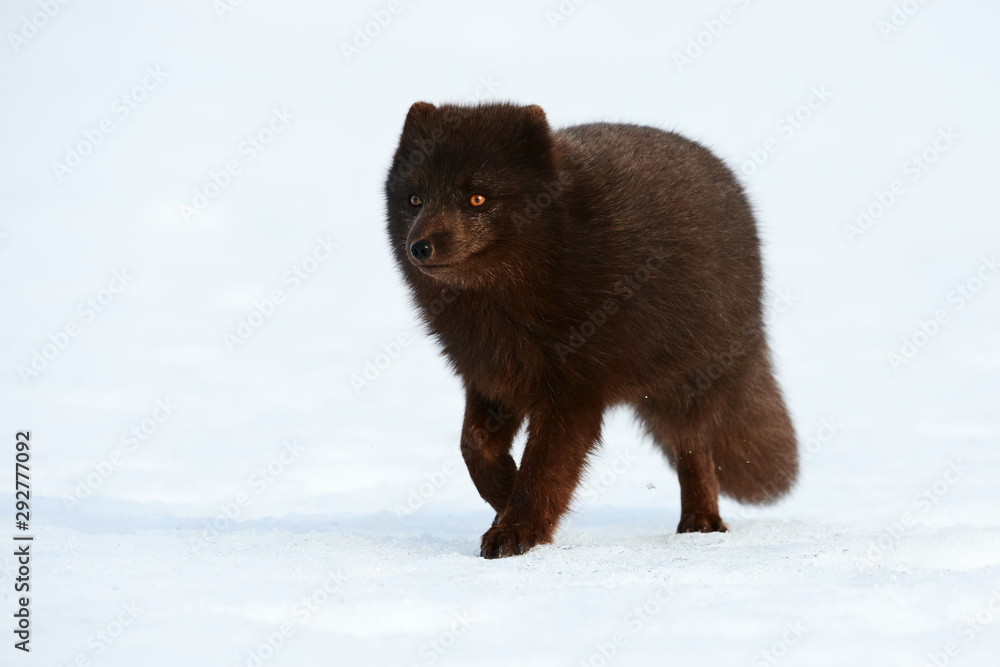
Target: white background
x,y
832,560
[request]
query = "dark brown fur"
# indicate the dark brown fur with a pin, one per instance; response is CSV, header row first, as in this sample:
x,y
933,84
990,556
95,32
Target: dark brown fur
x,y
610,264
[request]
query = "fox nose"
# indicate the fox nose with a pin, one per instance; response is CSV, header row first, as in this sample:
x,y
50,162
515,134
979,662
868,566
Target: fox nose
x,y
421,250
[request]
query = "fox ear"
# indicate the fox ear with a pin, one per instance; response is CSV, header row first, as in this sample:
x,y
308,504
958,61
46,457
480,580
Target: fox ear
x,y
537,135
418,111
536,114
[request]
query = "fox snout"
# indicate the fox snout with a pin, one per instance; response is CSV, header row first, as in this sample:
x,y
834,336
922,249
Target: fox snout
x,y
421,251
429,241
440,240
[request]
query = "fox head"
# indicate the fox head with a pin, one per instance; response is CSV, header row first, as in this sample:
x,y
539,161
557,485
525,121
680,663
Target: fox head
x,y
464,190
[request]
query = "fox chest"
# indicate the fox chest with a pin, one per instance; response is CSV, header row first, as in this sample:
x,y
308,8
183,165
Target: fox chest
x,y
498,357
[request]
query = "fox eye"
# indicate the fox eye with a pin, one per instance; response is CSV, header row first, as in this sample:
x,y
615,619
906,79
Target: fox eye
x,y
477,200
416,200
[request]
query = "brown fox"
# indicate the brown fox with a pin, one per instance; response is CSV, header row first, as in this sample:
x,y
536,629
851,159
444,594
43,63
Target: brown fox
x,y
564,272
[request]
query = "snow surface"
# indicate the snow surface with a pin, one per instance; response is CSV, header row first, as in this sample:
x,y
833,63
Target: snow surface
x,y
887,552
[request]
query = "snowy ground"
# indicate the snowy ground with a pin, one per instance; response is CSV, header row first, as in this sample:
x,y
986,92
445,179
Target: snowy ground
x,y
258,501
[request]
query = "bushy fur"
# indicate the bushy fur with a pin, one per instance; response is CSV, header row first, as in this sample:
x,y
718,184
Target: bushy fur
x,y
609,264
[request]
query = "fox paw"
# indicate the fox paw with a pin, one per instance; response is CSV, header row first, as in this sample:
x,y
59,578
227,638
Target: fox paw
x,y
701,522
503,540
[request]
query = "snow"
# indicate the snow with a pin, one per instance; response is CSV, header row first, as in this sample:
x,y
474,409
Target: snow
x,y
262,501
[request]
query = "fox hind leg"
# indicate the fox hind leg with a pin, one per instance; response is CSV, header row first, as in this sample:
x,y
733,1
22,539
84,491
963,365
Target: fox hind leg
x,y
688,448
